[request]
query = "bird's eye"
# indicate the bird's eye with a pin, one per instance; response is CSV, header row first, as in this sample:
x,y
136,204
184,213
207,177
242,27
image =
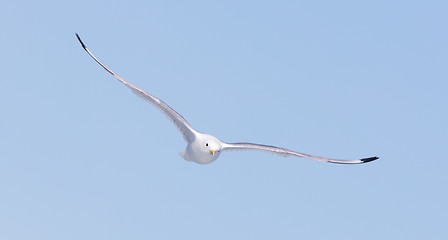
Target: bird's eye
x,y
206,144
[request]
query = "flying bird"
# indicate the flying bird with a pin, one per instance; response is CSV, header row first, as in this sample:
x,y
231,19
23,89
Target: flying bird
x,y
204,148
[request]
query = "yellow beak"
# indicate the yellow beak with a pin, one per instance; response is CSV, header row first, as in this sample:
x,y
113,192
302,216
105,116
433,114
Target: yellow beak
x,y
212,152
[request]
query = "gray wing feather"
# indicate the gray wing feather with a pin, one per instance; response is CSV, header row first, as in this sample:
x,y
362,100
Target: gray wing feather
x,y
286,153
184,127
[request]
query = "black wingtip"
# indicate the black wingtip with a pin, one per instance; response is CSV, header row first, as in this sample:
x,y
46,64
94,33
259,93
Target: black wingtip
x,y
365,160
79,39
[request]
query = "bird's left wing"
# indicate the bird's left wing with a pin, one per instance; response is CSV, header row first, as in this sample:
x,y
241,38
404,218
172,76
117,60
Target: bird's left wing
x,y
184,127
286,153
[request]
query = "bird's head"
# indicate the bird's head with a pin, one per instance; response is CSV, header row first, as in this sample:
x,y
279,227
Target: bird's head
x,y
211,147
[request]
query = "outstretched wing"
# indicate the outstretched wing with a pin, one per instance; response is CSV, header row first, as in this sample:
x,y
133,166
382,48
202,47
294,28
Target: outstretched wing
x,y
187,131
286,153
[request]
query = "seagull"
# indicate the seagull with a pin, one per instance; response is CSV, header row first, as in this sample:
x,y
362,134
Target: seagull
x,y
204,148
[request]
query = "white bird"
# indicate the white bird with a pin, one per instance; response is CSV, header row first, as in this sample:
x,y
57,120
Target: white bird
x,y
204,148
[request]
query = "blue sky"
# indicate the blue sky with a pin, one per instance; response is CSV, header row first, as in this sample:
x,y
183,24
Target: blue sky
x,y
83,158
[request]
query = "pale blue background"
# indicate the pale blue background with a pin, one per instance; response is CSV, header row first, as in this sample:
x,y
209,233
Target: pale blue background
x,y
81,157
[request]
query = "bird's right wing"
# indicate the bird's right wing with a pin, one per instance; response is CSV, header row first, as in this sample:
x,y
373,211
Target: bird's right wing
x,y
184,127
286,153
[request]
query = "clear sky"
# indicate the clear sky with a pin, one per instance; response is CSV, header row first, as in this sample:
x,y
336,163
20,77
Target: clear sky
x,y
81,157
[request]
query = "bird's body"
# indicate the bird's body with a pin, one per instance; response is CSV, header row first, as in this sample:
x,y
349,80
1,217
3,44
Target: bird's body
x,y
203,148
